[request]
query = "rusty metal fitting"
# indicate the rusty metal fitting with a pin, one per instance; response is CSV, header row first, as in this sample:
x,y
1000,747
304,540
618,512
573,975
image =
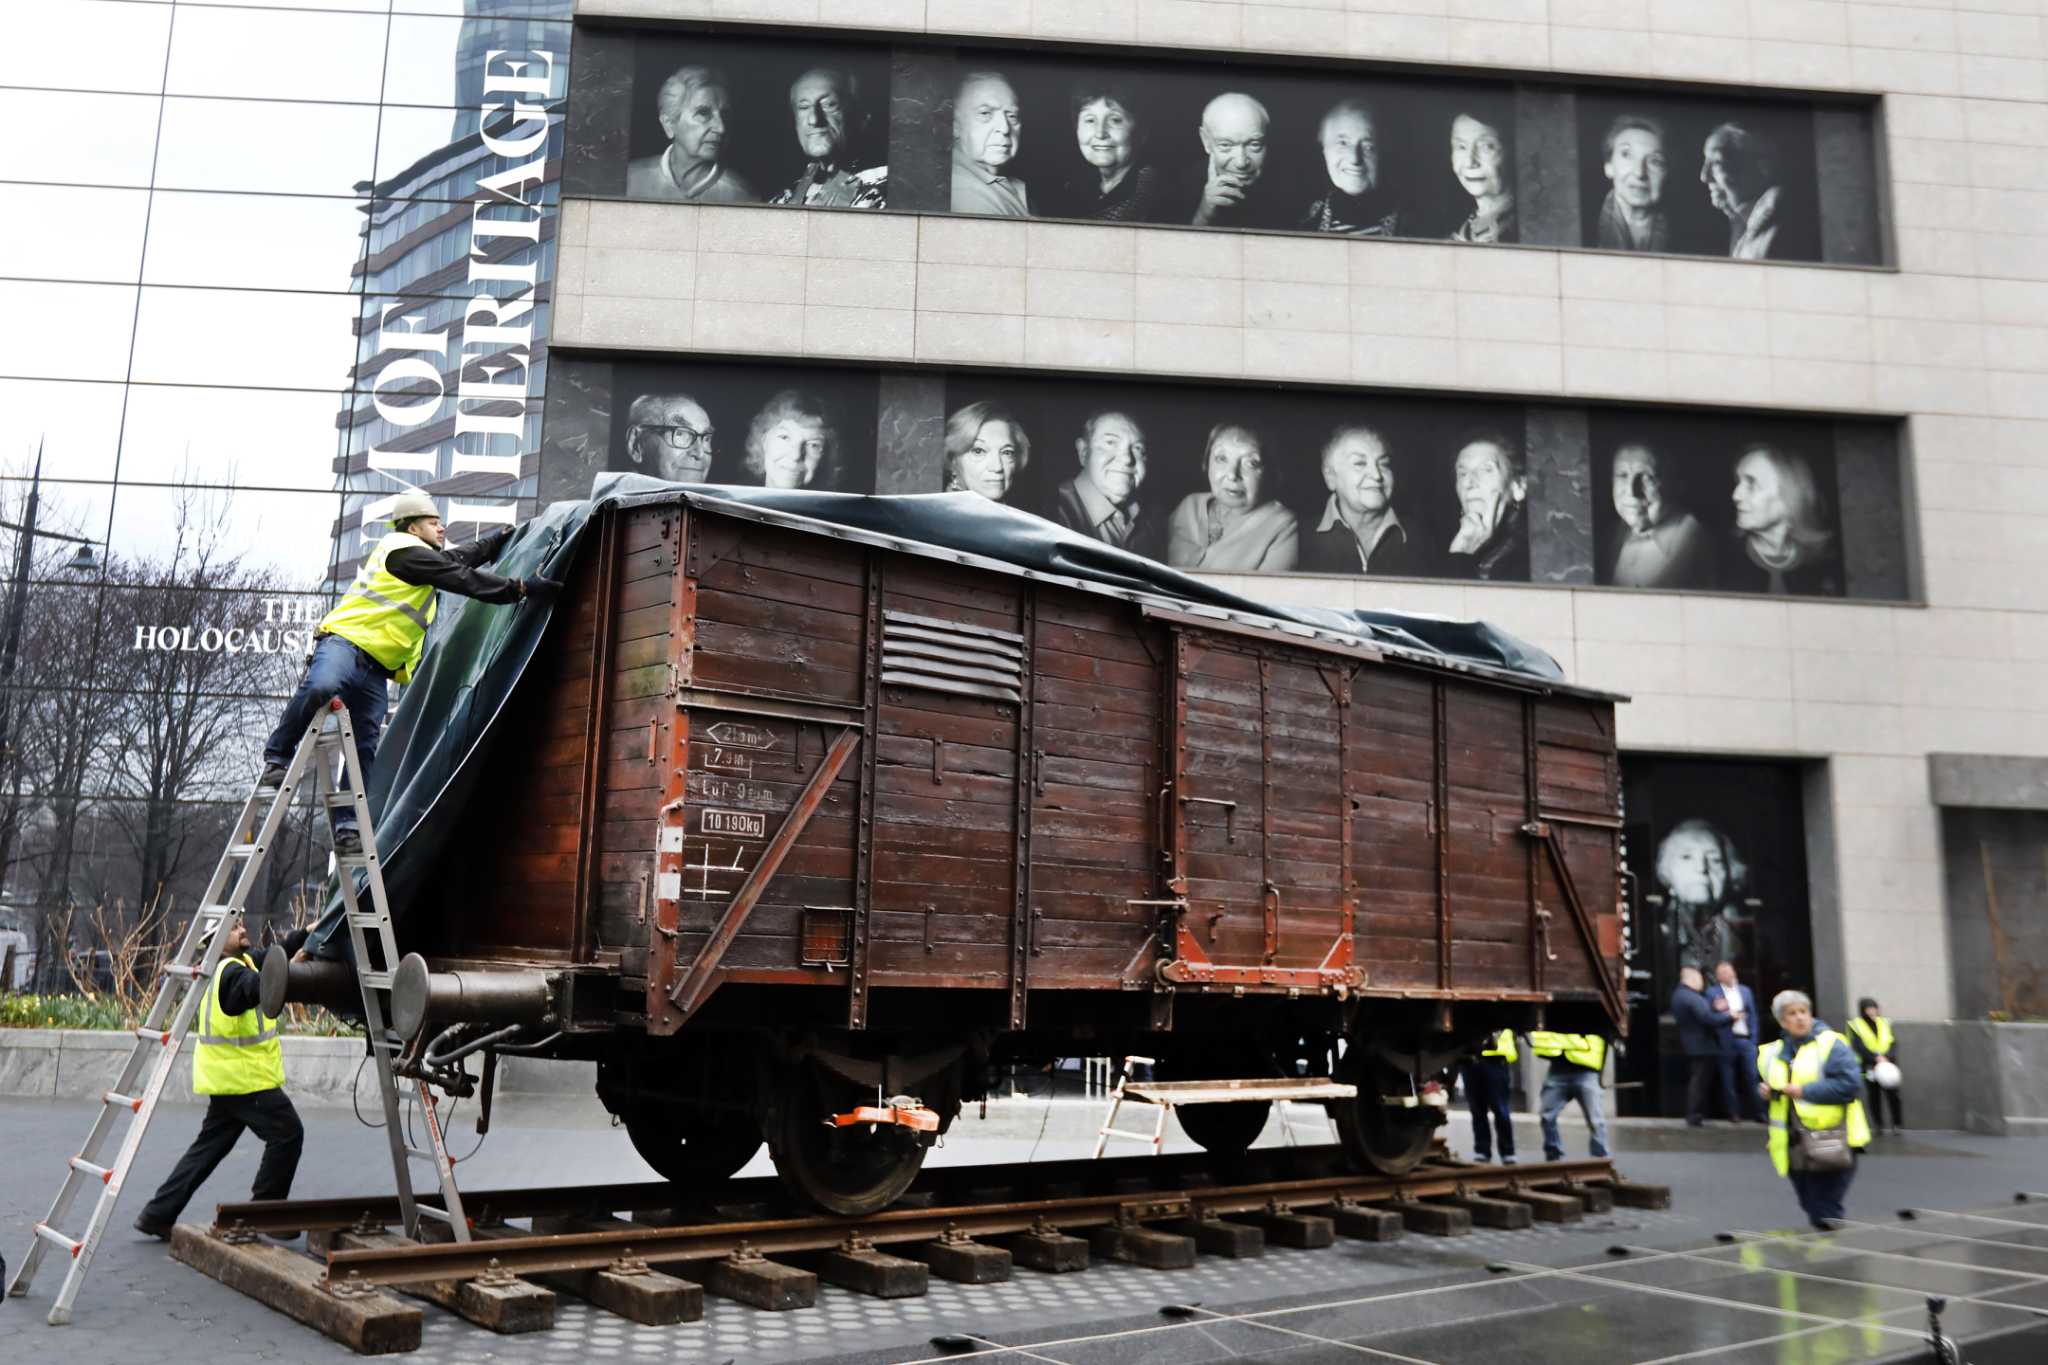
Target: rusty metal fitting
x,y
953,1236
629,1264
495,1276
237,1233
365,1224
856,1243
744,1254
353,1287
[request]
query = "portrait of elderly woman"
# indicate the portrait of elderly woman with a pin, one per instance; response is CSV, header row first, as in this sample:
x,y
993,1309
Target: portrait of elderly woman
x,y
1783,541
695,102
1703,878
1118,183
1356,202
792,443
1360,532
1237,524
826,105
1739,167
1483,160
1492,539
1661,545
1635,159
669,435
985,447
988,130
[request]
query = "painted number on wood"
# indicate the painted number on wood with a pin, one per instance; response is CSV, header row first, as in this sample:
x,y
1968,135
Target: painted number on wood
x,y
735,734
741,824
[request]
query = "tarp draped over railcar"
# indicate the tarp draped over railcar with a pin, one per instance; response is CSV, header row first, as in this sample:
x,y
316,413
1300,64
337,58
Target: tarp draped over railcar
x,y
435,749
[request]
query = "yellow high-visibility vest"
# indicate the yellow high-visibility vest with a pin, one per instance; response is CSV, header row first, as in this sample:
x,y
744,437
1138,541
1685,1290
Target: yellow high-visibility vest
x,y
1879,1039
1503,1047
1586,1049
234,1054
1807,1066
382,614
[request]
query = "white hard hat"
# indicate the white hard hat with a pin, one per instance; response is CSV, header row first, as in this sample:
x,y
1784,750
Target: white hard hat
x,y
409,504
1886,1074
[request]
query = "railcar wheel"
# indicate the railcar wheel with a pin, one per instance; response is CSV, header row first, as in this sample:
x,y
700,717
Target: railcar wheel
x,y
694,1153
852,1171
1377,1136
1224,1129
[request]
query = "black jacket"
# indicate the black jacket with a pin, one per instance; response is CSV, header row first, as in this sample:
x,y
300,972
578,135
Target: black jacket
x,y
1702,1029
455,570
241,990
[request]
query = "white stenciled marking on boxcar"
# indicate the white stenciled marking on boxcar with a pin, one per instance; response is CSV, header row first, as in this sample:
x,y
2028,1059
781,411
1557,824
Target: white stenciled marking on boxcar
x,y
741,824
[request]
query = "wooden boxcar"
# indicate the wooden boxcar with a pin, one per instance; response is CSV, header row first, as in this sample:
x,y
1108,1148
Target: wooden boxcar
x,y
796,816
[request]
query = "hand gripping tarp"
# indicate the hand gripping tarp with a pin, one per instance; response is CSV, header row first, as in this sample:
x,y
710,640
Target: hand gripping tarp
x,y
435,748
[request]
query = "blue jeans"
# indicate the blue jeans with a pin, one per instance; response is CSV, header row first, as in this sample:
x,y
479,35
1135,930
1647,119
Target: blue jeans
x,y
1487,1084
338,669
1560,1088
1821,1192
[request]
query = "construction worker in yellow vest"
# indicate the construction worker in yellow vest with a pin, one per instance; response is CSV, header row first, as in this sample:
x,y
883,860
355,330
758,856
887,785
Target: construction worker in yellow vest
x,y
1575,1063
1810,1077
238,1064
1489,1084
377,632
1870,1033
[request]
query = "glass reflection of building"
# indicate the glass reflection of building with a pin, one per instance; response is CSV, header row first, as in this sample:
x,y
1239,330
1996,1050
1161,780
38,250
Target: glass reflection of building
x,y
414,275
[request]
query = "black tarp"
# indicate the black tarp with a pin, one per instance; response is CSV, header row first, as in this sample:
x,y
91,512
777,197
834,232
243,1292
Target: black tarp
x,y
435,749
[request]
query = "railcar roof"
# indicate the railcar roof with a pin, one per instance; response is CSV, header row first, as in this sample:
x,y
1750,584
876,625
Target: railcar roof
x,y
966,529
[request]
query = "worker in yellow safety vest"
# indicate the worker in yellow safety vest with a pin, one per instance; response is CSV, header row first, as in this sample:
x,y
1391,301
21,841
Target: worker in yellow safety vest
x,y
1810,1077
377,633
238,1064
1870,1033
1575,1063
1488,1086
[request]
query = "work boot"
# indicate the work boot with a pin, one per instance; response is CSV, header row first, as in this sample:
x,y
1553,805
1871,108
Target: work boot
x,y
348,844
160,1231
272,779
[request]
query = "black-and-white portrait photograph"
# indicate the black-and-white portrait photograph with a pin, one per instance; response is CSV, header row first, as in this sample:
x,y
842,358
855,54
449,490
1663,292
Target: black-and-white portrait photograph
x,y
1699,177
1696,502
696,118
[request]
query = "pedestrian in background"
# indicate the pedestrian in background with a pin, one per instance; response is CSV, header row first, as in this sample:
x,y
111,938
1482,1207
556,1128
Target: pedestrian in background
x,y
1575,1063
1488,1084
1870,1033
1702,1033
1818,1125
1738,1056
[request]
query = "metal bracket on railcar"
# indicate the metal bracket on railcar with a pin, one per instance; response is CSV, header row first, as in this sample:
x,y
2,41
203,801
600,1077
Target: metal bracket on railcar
x,y
1186,963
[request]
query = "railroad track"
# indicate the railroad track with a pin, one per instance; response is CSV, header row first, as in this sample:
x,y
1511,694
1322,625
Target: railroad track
x,y
967,1224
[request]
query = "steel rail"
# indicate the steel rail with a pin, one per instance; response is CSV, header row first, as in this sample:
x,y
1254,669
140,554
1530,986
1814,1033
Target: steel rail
x,y
416,1264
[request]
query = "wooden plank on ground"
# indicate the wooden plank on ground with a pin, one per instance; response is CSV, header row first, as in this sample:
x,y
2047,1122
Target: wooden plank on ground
x,y
369,1322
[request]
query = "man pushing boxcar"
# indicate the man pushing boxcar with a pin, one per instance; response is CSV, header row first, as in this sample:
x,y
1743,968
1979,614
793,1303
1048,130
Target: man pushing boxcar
x,y
378,631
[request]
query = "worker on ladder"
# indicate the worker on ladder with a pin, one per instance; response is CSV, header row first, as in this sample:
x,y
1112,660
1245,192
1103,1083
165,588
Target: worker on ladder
x,y
238,1063
378,631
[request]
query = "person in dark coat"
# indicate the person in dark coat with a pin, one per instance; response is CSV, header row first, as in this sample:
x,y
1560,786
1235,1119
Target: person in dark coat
x,y
1738,1053
1702,1033
1492,483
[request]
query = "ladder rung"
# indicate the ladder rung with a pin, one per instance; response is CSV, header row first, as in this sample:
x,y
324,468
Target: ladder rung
x,y
366,919
50,1234
113,1099
244,850
84,1167
418,1154
352,859
155,1035
1126,1133
379,981
190,969
339,800
429,1211
214,912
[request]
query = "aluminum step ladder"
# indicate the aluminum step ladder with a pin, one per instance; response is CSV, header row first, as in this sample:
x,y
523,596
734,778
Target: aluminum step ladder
x,y
1164,1096
182,986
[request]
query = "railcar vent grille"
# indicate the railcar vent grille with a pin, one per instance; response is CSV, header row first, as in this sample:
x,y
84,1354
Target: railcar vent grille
x,y
946,656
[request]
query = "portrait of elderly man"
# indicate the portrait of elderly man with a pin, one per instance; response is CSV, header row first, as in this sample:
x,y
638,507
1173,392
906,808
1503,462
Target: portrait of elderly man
x,y
1783,541
1233,135
826,104
1237,524
1356,202
1117,183
1740,170
1662,545
988,128
1483,160
1635,160
985,447
1492,539
669,434
1102,499
1360,531
1703,878
792,443
695,103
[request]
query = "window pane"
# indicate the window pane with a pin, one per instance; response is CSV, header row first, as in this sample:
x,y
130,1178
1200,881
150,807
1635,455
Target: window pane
x,y
70,232
77,139
271,145
245,337
76,510
259,54
84,332
76,425
91,45
427,153
260,241
281,438
281,540
441,61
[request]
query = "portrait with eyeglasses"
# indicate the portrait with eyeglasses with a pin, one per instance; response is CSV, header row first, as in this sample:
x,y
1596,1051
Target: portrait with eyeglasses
x,y
730,423
670,435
